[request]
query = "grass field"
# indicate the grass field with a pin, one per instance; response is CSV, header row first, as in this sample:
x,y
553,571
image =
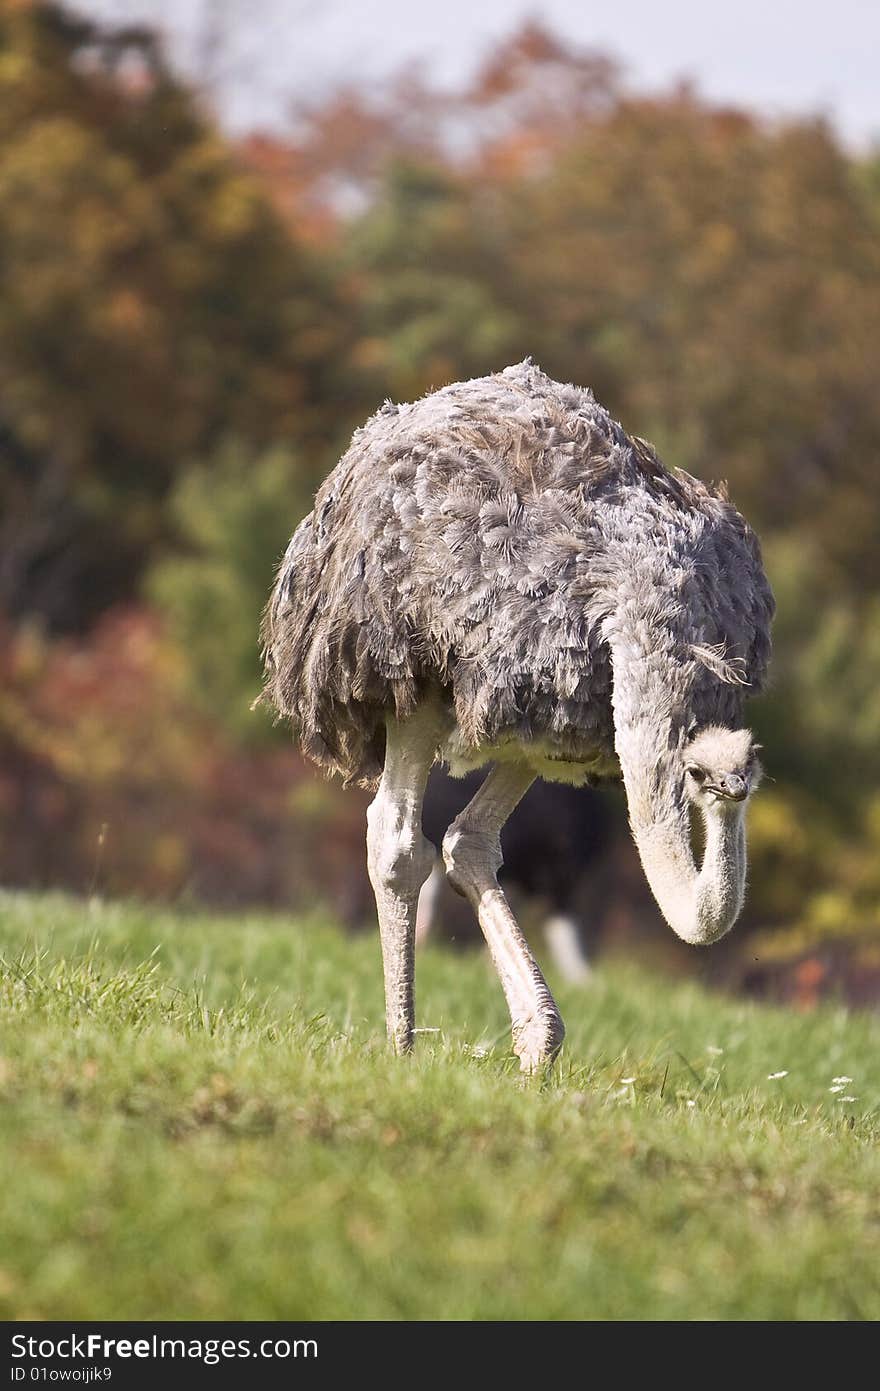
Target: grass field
x,y
198,1119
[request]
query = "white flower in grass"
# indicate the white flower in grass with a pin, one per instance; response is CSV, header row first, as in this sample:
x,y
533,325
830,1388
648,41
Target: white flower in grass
x,y
627,1081
690,1103
713,1051
841,1081
776,1076
837,1088
849,1098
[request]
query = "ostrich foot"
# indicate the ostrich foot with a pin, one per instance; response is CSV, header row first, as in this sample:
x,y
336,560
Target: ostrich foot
x,y
563,934
537,1040
401,1036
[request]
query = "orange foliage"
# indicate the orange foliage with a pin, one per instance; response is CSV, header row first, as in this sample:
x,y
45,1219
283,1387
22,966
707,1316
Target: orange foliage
x,y
112,782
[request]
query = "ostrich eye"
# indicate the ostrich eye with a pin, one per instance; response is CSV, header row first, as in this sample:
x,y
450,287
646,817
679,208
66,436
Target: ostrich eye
x,y
698,774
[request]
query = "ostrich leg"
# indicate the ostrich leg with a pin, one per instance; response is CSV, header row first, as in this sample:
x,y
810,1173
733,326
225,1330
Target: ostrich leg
x,y
472,852
427,909
399,860
563,933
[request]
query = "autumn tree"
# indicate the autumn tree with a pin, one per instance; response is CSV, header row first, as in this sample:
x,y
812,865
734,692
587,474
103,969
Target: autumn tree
x,y
151,303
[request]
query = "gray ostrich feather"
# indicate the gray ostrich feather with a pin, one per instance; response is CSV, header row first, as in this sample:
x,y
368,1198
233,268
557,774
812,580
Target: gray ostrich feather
x,y
491,543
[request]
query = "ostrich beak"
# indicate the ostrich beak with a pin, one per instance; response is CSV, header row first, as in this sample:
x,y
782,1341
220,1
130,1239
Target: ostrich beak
x,y
733,787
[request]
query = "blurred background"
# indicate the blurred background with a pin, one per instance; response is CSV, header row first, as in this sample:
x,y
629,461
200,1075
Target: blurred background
x,y
229,230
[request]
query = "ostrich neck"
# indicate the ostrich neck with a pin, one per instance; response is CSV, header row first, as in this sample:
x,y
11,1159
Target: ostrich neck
x,y
650,713
702,904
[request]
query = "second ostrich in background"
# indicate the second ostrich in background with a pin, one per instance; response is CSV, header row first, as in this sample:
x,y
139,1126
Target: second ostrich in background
x,y
499,574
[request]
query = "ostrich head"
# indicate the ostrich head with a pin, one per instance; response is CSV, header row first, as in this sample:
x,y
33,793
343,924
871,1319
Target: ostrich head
x,y
721,768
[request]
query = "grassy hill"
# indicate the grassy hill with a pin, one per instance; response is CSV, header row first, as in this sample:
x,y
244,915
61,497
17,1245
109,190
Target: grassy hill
x,y
198,1119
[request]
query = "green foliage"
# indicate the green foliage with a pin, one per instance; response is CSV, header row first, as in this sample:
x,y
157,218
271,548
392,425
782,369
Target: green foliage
x,y
824,717
429,260
813,830
235,517
689,1158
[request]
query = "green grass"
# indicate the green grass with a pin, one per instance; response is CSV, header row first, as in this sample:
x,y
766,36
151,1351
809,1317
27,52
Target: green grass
x,y
198,1119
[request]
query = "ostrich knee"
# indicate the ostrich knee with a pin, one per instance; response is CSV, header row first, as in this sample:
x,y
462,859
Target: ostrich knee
x,y
472,858
399,857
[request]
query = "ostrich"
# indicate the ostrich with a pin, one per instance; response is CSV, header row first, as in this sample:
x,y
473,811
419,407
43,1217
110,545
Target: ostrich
x,y
498,574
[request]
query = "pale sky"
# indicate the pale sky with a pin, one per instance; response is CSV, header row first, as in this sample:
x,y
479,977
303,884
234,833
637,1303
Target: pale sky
x,y
778,57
